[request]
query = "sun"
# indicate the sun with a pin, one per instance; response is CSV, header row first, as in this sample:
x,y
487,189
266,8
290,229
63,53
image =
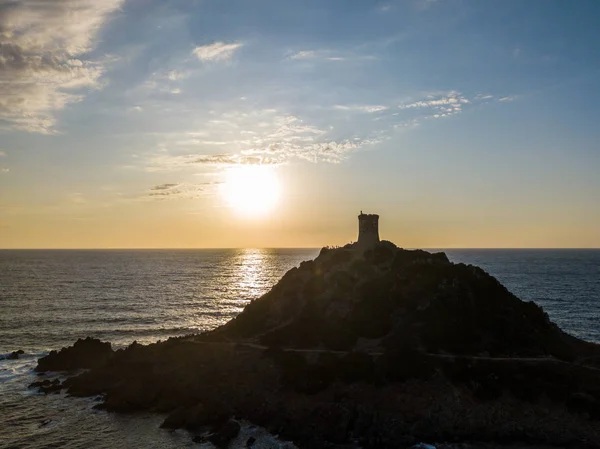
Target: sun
x,y
251,190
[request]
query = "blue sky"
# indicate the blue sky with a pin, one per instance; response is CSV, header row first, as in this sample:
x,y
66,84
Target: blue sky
x,y
462,123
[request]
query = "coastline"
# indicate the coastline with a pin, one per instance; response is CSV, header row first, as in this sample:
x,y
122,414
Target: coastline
x,y
280,386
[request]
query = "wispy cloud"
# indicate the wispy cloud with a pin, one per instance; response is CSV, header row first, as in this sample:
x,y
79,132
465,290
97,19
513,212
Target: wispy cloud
x,y
217,51
175,75
256,137
439,104
2,154
304,54
4,170
326,55
42,64
267,136
452,98
173,191
235,159
361,108
164,187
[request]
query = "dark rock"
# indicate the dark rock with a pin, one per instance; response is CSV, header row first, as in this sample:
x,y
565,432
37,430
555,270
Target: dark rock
x,y
88,353
225,433
47,386
177,419
584,403
250,442
199,439
14,355
195,417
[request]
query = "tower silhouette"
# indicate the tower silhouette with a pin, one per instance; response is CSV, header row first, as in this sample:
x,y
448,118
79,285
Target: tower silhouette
x,y
368,230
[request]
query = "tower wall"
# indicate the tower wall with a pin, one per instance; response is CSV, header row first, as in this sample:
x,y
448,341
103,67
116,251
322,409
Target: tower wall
x,y
368,230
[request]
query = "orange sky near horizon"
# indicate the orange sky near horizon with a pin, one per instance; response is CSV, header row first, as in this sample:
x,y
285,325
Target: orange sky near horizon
x,y
202,125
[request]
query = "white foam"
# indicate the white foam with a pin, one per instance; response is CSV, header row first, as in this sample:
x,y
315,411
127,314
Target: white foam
x,y
18,371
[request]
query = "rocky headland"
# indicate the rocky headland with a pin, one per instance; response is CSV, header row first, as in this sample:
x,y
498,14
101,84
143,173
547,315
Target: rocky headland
x,y
381,348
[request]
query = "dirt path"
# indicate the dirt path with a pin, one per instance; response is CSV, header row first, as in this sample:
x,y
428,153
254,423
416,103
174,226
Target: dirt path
x,y
258,347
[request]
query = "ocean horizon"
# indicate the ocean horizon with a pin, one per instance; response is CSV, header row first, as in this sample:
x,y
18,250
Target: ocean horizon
x,y
425,248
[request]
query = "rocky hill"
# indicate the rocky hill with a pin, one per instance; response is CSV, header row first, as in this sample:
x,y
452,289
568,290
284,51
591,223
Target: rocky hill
x,y
388,297
375,349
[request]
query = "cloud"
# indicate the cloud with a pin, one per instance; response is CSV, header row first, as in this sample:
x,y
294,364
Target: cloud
x,y
437,105
174,75
315,54
164,186
236,159
163,82
42,63
2,154
4,170
452,98
217,51
178,191
305,54
361,108
441,104
256,137
266,136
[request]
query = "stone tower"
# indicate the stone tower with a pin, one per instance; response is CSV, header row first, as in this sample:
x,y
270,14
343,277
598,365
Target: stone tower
x,y
368,230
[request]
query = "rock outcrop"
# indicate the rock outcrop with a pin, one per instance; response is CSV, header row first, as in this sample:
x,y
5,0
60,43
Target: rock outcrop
x,y
88,353
383,348
13,355
47,386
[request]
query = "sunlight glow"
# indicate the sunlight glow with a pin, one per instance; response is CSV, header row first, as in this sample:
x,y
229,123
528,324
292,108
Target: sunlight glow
x,y
251,190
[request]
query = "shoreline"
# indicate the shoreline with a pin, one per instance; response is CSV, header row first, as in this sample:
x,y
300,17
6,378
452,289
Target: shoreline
x,y
382,349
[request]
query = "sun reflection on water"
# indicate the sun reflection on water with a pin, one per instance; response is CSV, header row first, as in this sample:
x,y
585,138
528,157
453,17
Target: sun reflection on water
x,y
255,269
237,276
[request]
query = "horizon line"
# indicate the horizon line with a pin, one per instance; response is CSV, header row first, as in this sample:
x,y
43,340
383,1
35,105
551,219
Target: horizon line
x,y
150,248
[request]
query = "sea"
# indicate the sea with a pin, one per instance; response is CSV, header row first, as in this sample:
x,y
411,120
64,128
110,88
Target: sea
x,y
50,298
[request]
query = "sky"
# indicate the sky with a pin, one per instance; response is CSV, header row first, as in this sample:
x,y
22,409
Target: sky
x,y
273,123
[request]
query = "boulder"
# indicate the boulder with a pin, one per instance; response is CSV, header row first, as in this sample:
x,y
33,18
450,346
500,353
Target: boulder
x,y
14,355
47,386
88,353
